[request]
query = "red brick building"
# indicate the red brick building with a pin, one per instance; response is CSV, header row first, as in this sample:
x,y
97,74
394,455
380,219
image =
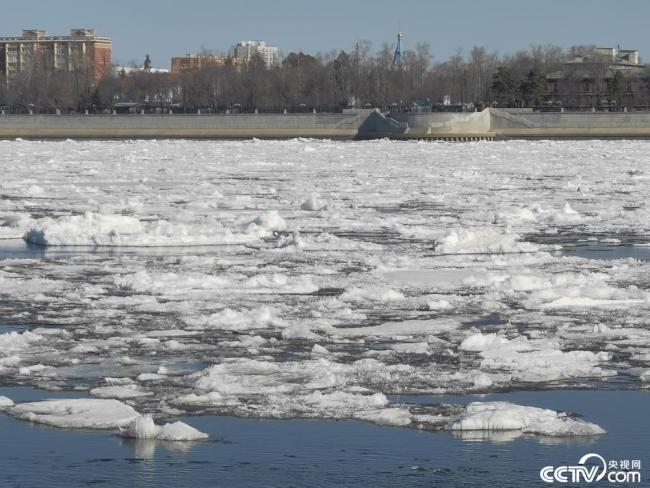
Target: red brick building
x,y
82,49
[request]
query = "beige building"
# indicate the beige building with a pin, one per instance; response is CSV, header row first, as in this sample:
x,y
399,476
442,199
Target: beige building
x,y
245,50
81,47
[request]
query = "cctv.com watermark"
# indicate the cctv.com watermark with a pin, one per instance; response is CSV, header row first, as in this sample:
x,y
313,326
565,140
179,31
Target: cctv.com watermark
x,y
592,468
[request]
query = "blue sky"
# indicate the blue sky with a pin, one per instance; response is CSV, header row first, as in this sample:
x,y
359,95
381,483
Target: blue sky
x,y
164,28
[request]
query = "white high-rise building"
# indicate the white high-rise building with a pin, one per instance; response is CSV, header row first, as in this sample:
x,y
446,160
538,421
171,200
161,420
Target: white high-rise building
x,y
245,50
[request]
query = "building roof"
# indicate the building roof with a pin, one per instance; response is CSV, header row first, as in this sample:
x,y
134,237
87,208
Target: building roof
x,y
35,35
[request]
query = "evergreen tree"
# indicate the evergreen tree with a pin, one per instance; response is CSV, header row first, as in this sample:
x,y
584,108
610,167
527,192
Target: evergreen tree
x,y
533,88
505,86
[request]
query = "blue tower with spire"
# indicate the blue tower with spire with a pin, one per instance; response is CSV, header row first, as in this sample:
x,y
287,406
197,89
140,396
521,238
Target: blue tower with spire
x,y
398,57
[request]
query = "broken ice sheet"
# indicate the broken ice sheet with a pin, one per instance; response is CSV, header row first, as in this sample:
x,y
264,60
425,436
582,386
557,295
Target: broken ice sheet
x,y
400,268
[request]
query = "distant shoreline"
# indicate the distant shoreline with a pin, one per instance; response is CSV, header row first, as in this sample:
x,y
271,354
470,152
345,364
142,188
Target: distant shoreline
x,y
491,124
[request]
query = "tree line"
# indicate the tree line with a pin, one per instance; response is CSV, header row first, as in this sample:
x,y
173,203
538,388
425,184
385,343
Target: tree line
x,y
358,77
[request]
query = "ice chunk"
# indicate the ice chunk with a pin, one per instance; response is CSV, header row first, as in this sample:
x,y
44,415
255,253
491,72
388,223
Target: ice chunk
x,y
319,350
14,224
180,431
533,420
86,229
228,319
483,380
534,360
439,305
405,328
480,342
5,402
371,293
121,392
13,342
483,241
267,222
313,202
93,229
568,216
143,427
77,413
386,416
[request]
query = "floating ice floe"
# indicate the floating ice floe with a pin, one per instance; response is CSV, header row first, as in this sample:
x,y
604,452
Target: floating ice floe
x,y
535,360
530,420
201,283
13,342
313,202
405,328
143,427
93,229
372,293
268,221
77,413
120,392
483,241
568,216
5,402
228,319
13,224
81,413
14,346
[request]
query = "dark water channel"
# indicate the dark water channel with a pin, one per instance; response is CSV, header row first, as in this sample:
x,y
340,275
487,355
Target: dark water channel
x,y
284,453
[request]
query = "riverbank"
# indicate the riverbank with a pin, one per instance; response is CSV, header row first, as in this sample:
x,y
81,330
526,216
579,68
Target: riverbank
x,y
490,124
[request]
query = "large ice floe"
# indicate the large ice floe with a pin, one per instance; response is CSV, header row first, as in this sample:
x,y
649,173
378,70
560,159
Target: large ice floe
x,y
263,279
77,413
93,229
81,413
492,416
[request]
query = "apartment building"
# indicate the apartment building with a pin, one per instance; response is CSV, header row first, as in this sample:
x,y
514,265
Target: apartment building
x,y
82,49
245,50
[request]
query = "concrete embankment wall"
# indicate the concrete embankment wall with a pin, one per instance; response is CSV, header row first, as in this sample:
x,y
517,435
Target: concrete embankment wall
x,y
359,124
501,124
446,125
230,126
570,124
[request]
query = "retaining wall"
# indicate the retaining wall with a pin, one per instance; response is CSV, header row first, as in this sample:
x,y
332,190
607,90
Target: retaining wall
x,y
446,125
570,124
343,126
357,124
